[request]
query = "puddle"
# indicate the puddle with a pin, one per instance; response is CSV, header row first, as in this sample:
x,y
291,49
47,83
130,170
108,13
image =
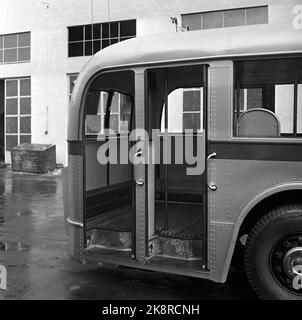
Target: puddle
x,y
14,246
25,212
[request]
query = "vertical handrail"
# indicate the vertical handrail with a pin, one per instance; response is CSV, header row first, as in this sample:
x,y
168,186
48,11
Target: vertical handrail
x,y
165,152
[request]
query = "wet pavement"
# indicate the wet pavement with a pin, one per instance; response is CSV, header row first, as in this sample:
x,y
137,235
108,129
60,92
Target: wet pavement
x,y
33,247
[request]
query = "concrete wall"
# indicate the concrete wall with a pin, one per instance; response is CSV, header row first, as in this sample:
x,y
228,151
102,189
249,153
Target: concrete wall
x,y
50,65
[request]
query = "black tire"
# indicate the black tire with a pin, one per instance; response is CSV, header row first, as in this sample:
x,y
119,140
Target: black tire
x,y
273,232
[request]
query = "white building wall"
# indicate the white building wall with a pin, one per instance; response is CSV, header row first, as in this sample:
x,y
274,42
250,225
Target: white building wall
x,y
50,65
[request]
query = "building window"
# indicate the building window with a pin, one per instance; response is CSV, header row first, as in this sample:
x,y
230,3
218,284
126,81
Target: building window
x,y
185,109
17,112
86,40
119,119
15,47
272,85
72,80
225,18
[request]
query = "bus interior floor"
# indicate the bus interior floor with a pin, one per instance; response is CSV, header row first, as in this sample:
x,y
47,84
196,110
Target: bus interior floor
x,y
184,220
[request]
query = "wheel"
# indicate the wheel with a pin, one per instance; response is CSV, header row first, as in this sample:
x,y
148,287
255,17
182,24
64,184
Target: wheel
x,y
273,254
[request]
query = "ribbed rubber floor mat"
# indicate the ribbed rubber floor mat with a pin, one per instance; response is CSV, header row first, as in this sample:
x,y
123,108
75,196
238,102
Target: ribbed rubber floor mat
x,y
184,221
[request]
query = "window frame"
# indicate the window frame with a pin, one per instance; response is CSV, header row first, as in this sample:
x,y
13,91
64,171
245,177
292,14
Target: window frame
x,y
201,14
235,111
75,74
100,39
18,115
105,124
18,47
201,111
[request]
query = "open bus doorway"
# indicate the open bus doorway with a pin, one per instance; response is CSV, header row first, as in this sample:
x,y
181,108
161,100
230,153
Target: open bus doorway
x,y
177,220
109,208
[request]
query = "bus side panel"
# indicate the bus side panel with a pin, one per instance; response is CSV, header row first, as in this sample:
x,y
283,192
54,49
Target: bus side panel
x,y
219,128
73,204
247,180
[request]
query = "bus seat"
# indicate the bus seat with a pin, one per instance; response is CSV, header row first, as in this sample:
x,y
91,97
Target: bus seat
x,y
258,123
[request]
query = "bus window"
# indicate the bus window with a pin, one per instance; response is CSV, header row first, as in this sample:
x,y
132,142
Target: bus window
x,y
120,113
96,102
119,117
185,109
273,85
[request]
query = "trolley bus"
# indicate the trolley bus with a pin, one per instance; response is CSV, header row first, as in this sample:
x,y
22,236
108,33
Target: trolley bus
x,y
232,98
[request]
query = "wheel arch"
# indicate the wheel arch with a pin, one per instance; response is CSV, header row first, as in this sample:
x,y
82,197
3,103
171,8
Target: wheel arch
x,y
278,195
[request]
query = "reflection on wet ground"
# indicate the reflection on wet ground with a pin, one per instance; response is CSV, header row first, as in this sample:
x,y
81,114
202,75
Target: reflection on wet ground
x,y
33,247
14,246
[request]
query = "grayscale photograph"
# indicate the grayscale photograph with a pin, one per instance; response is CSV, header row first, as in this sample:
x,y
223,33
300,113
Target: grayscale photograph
x,y
150,153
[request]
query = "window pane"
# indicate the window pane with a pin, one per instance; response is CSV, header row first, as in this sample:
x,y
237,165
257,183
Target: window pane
x,y
114,29
97,31
12,106
191,121
10,55
234,18
96,46
284,108
25,87
250,99
105,30
11,142
93,124
257,15
125,113
11,88
105,44
254,98
12,125
88,32
1,42
1,56
75,33
88,48
193,21
24,54
25,139
113,125
75,49
192,100
115,103
268,84
24,39
10,41
128,28
25,125
212,20
180,103
25,106
104,96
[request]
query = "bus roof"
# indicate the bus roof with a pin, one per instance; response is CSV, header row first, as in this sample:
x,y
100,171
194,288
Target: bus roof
x,y
224,43
204,44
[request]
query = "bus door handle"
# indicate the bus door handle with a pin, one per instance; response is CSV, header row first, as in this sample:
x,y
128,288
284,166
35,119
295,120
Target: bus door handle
x,y
211,186
139,182
138,154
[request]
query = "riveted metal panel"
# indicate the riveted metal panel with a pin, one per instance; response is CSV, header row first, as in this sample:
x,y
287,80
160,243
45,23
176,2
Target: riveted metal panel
x,y
220,128
75,205
139,171
220,100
